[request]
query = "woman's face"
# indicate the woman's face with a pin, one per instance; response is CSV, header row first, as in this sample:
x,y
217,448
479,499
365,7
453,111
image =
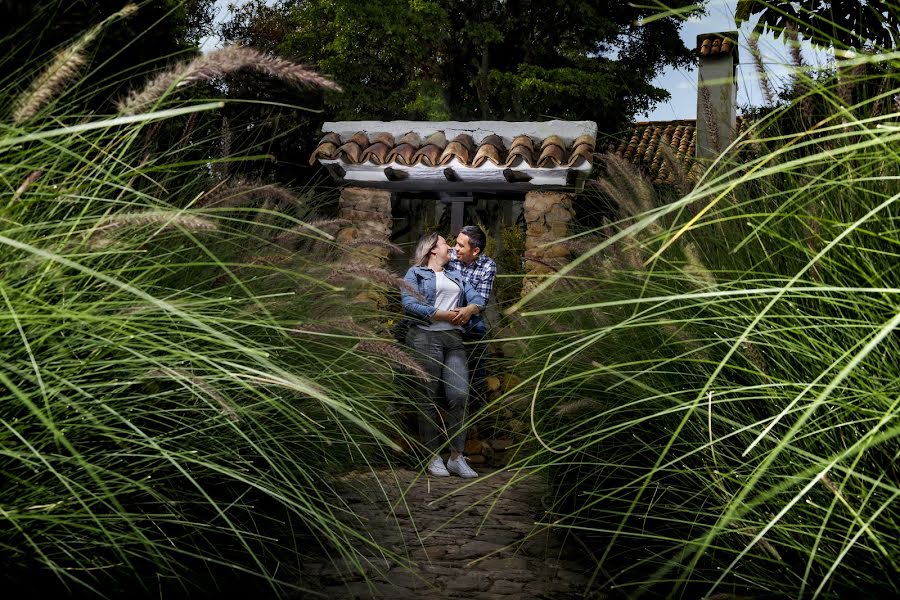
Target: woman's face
x,y
441,251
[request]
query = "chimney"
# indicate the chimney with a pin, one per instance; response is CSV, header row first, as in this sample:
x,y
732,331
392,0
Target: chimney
x,y
716,92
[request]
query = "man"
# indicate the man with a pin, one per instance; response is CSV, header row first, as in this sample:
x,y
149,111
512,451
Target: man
x,y
479,270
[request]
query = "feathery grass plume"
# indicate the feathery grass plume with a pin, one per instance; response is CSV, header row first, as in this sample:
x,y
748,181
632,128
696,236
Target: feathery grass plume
x,y
634,192
762,74
165,219
216,64
578,407
392,353
695,265
371,249
287,239
64,67
26,183
327,226
150,135
102,236
244,193
880,92
341,326
681,177
752,353
188,130
793,43
227,196
710,116
375,275
271,260
385,245
221,168
170,373
849,78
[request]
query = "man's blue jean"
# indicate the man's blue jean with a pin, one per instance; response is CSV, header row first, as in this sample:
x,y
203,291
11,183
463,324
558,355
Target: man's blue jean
x,y
442,355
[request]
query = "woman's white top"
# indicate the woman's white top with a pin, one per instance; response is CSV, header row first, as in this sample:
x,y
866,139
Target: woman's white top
x,y
446,298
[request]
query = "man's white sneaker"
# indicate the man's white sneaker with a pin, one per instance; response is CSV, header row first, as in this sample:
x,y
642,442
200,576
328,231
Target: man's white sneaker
x,y
460,467
437,469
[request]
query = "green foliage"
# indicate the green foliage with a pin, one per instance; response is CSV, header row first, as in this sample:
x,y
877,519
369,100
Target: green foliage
x,y
714,378
180,368
146,41
487,59
841,23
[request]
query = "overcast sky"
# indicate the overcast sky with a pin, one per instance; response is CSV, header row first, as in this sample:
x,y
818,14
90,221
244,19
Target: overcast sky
x,y
682,84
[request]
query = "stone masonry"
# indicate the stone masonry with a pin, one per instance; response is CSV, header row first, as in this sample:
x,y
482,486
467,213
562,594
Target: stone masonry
x,y
548,216
369,211
448,538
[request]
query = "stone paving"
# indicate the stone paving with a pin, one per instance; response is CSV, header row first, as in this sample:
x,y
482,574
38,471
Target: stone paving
x,y
450,538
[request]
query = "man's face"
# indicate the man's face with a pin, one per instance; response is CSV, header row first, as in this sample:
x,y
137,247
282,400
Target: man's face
x,y
464,250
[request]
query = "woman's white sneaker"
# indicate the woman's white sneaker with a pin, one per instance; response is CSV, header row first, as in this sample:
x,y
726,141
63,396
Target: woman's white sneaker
x,y
436,468
460,467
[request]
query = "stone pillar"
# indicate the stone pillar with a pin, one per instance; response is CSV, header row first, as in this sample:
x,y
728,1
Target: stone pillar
x,y
716,93
548,215
369,211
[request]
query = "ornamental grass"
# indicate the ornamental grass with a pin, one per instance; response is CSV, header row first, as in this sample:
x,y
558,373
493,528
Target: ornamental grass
x,y
714,379
163,432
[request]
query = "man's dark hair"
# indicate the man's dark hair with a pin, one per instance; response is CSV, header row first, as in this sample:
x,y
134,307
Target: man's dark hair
x,y
476,236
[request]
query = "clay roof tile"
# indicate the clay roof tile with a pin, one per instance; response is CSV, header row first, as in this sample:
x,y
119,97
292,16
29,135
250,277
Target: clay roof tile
x,y
522,140
552,139
381,148
581,153
351,151
382,137
377,153
412,138
360,139
324,150
487,152
553,154
520,153
462,148
584,140
428,155
494,140
437,139
331,138
405,150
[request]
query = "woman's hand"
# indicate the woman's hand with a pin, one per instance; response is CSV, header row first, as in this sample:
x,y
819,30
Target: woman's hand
x,y
464,314
445,315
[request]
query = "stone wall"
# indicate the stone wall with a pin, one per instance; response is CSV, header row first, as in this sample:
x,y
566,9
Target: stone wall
x,y
369,211
548,216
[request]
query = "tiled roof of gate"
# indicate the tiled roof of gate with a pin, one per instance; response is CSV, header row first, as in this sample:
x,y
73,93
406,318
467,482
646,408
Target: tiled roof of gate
x,y
437,151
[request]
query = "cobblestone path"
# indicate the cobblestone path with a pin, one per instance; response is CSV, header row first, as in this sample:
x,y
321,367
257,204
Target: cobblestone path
x,y
465,539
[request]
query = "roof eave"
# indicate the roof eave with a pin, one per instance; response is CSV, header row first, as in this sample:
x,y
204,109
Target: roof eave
x,y
457,177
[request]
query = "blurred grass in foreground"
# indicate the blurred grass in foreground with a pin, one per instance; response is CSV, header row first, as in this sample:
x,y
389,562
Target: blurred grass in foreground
x,y
715,377
181,365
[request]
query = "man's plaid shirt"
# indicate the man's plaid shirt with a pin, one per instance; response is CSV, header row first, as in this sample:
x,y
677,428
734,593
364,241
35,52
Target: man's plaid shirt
x,y
480,274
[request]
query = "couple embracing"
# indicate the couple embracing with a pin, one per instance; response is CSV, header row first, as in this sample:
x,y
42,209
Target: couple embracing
x,y
454,286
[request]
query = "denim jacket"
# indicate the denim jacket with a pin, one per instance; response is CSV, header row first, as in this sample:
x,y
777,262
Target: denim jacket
x,y
423,279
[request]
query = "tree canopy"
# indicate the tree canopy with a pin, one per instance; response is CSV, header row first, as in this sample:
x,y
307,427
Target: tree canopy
x,y
840,23
474,59
121,56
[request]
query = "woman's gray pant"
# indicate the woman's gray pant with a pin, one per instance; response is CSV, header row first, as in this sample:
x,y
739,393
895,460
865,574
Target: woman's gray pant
x,y
443,357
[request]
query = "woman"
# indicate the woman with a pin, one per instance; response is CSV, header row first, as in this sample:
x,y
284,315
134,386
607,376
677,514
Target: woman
x,y
446,302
